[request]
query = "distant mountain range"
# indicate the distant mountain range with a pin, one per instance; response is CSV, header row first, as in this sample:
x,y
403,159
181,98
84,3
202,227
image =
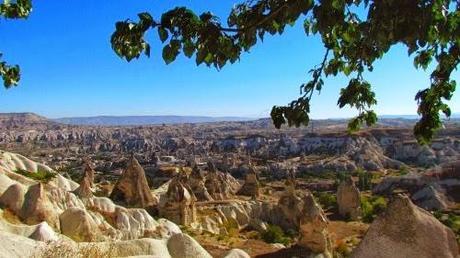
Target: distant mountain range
x,y
11,120
145,120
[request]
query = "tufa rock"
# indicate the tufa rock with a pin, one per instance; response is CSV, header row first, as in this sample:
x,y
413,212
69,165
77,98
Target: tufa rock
x,y
84,190
216,184
79,225
13,198
197,184
290,207
431,198
251,185
349,200
132,188
313,228
178,204
405,230
183,246
37,207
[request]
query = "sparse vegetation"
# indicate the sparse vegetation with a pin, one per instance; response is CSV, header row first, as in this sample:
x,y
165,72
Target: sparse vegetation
x,y
275,234
450,220
364,180
326,199
43,176
371,207
342,249
232,227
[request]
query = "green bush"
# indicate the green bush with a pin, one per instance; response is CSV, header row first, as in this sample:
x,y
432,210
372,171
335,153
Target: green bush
x,y
371,207
327,200
275,234
450,220
41,175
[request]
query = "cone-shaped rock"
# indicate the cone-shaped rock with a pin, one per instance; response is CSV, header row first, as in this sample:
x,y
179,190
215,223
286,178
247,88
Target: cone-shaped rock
x,y
179,203
132,188
37,207
89,172
217,184
84,189
348,200
86,183
13,198
405,230
197,184
251,185
313,228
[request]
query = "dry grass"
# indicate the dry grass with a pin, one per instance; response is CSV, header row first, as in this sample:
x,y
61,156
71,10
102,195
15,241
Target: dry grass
x,y
66,250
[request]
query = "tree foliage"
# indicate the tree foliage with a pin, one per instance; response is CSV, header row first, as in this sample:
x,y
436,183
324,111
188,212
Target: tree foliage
x,y
355,34
12,10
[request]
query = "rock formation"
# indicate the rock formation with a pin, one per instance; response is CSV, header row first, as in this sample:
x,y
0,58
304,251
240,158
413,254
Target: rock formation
x,y
236,253
13,198
84,190
197,184
251,185
313,228
89,172
431,198
132,188
37,207
178,204
122,231
216,183
349,200
290,206
182,245
405,230
79,225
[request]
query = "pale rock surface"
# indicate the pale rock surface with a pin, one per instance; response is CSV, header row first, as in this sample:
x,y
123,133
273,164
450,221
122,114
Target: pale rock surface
x,y
167,228
13,245
183,246
43,232
236,253
5,182
12,162
405,230
79,225
40,232
84,220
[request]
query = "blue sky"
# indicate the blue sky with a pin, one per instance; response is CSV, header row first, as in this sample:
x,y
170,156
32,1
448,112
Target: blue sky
x,y
69,69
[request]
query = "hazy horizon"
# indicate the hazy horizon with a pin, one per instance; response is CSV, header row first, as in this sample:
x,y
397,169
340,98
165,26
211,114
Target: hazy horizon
x,y
387,116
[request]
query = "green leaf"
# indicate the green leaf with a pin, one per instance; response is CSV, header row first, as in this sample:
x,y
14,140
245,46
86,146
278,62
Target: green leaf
x,y
188,48
163,34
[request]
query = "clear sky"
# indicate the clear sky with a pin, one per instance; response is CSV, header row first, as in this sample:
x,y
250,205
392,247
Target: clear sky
x,y
69,69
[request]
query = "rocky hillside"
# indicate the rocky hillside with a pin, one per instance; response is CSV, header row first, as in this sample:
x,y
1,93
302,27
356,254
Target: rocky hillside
x,y
21,121
48,219
377,148
144,120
